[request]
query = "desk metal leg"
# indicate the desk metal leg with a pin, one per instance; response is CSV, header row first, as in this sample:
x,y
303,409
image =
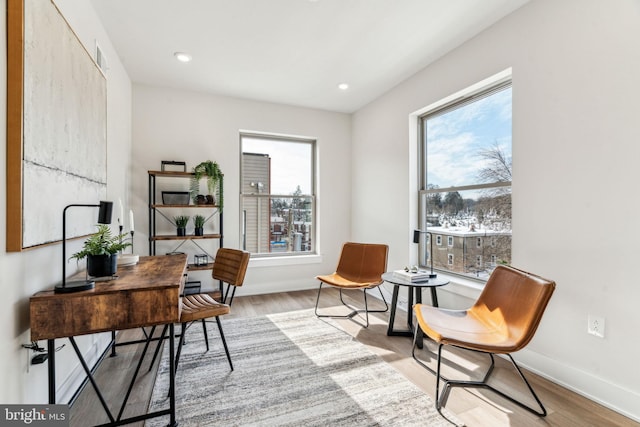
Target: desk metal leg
x,y
113,343
51,366
91,379
172,377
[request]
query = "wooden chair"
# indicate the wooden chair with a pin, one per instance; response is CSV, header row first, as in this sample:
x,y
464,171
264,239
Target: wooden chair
x,y
230,267
360,267
503,320
201,307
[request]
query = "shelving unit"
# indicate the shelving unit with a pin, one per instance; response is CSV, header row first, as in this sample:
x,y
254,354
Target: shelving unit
x,y
158,209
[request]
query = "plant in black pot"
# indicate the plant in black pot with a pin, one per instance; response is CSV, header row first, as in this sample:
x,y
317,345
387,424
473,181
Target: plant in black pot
x,y
181,224
198,222
101,250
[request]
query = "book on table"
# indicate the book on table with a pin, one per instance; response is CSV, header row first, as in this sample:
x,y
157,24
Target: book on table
x,y
418,276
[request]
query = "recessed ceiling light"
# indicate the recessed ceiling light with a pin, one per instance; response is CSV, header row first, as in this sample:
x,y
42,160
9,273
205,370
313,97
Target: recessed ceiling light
x,y
182,56
343,86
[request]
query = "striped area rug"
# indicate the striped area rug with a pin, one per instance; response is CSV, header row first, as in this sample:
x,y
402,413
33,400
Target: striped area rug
x,y
291,369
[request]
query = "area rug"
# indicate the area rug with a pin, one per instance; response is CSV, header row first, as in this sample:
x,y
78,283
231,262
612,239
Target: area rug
x,y
291,369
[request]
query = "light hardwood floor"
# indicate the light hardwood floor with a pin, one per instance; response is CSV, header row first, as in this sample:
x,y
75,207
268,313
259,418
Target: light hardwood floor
x,y
473,407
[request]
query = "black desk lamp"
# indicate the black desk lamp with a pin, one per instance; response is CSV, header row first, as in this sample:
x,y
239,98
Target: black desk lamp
x,y
416,239
104,217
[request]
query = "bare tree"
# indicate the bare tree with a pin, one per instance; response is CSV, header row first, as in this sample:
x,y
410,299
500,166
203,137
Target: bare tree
x,y
499,166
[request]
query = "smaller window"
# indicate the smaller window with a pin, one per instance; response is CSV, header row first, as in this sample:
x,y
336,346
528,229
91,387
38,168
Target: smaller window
x,y
439,240
493,241
479,261
449,241
493,260
450,259
479,242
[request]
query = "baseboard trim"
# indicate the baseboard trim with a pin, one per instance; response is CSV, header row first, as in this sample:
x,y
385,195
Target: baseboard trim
x,y
627,402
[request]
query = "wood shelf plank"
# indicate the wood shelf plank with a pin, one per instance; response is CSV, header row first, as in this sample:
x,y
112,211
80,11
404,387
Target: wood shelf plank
x,y
188,237
184,206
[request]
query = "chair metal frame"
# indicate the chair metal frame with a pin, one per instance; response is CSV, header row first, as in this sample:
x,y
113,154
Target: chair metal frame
x,y
540,301
355,276
441,398
354,311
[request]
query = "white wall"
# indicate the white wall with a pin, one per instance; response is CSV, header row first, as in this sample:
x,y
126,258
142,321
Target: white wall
x,y
178,125
25,273
575,161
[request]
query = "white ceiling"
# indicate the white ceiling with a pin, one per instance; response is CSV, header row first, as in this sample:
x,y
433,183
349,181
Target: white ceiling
x,y
291,51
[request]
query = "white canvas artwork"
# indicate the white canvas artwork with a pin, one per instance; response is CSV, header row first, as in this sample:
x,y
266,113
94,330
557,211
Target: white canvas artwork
x,y
64,120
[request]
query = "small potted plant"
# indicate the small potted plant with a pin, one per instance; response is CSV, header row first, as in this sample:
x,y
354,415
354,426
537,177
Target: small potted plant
x,y
214,176
198,222
101,250
181,224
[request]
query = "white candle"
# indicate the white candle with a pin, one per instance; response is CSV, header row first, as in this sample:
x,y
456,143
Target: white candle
x,y
131,219
121,216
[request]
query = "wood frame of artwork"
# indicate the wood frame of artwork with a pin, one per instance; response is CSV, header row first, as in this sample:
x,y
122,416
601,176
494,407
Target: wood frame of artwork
x,y
56,126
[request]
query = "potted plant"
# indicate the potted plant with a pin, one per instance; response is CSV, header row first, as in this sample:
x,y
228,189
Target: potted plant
x,y
101,250
198,222
181,224
214,176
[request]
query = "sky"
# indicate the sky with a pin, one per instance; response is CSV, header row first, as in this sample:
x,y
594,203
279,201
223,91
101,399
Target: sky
x,y
455,138
290,163
454,141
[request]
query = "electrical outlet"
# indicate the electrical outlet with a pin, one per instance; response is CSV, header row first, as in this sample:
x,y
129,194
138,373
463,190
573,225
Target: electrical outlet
x,y
595,325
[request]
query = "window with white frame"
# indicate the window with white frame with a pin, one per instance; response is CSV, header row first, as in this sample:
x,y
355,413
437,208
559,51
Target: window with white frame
x,y
277,195
450,241
465,179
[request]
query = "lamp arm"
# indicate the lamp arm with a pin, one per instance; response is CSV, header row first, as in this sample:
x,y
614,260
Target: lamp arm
x,y
64,238
104,217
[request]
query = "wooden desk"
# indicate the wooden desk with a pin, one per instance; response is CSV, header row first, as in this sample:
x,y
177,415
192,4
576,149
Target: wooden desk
x,y
145,294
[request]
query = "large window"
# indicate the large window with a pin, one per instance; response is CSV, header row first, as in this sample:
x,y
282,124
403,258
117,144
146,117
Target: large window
x,y
277,195
465,182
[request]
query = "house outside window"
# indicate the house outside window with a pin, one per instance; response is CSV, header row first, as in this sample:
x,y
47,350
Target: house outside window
x,y
277,195
465,180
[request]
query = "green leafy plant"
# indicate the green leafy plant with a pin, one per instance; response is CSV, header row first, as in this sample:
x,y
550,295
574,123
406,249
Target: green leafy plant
x,y
102,243
181,221
198,221
214,176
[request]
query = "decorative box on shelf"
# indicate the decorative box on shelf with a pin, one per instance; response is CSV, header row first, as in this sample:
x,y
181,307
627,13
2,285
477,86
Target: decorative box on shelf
x,y
175,197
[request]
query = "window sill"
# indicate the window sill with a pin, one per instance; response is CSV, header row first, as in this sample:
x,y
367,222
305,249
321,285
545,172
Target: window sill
x,y
285,260
461,286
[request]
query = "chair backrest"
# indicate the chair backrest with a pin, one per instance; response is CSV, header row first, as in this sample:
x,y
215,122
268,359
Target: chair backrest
x,y
363,262
230,266
513,301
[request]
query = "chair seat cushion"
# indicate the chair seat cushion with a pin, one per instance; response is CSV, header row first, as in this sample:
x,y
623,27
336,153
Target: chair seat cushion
x,y
342,282
465,328
201,306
